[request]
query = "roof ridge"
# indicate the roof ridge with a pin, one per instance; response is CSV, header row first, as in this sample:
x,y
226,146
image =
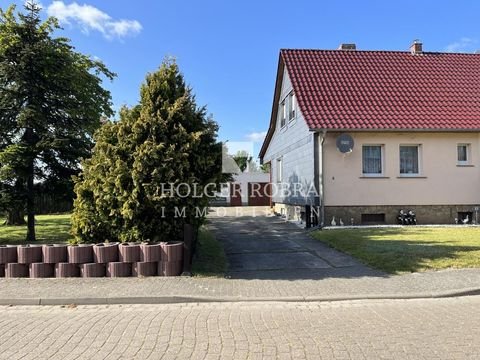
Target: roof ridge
x,y
375,51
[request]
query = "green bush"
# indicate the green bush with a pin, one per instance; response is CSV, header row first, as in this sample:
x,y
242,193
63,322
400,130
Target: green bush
x,y
165,140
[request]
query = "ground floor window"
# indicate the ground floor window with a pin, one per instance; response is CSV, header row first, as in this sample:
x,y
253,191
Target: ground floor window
x,y
463,154
279,170
409,162
372,159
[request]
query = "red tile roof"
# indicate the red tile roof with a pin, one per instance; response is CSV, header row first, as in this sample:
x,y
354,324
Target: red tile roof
x,y
385,90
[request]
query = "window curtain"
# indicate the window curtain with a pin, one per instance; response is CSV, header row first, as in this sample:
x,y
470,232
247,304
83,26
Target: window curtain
x,y
409,160
372,159
462,152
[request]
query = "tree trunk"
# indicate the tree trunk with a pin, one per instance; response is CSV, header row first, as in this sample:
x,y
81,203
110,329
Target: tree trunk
x,y
15,217
30,203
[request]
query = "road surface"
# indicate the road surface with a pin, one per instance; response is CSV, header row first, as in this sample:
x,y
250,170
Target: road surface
x,y
393,329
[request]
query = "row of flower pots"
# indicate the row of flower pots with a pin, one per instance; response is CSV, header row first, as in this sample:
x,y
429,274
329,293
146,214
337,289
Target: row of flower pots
x,y
87,260
113,269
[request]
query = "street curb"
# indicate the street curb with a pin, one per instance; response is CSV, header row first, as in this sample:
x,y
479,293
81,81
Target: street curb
x,y
232,299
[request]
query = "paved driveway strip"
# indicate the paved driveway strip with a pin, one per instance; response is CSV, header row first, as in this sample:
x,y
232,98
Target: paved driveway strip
x,y
266,247
342,279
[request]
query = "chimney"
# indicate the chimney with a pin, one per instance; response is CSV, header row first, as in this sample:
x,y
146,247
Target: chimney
x,y
347,47
416,47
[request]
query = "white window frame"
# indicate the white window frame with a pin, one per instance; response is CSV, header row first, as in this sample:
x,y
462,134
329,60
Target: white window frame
x,y
382,161
279,170
283,114
467,153
292,106
419,160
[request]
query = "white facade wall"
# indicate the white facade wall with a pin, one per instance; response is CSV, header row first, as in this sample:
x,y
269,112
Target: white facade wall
x,y
294,143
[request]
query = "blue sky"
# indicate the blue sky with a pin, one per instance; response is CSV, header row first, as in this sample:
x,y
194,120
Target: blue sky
x,y
228,50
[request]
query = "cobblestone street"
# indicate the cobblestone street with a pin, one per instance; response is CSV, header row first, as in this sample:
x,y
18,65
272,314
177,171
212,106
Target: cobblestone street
x,y
394,329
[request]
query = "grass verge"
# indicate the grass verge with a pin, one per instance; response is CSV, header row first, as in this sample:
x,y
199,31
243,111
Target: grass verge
x,y
210,259
408,249
49,229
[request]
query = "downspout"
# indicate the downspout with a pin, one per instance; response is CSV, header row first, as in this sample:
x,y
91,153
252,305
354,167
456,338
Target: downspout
x,y
322,178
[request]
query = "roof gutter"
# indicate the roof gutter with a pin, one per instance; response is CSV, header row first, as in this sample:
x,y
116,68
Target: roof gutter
x,y
322,179
399,130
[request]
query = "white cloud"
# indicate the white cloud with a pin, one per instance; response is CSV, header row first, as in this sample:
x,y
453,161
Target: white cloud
x,y
89,18
256,136
461,46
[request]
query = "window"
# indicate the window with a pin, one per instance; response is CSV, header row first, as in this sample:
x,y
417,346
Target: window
x,y
283,114
372,159
279,170
463,154
288,109
409,164
291,106
371,219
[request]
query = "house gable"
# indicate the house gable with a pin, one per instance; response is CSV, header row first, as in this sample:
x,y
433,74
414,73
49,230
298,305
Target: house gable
x,y
290,147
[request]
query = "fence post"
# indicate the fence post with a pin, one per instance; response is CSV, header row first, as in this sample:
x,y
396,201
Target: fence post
x,y
187,249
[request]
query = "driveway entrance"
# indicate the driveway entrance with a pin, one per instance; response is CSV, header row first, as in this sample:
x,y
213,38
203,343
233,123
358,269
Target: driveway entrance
x,y
259,246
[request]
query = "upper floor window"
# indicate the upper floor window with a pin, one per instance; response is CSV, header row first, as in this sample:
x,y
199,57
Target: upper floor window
x,y
287,109
283,114
409,160
291,106
463,154
372,160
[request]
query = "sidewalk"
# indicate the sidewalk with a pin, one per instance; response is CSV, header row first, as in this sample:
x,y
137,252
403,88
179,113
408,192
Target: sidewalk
x,y
194,289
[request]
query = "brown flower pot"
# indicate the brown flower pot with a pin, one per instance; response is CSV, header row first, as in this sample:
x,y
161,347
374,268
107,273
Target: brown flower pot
x,y
80,254
65,270
14,270
53,254
2,270
129,252
144,269
172,251
28,254
41,270
105,253
92,270
170,268
8,254
119,269
150,252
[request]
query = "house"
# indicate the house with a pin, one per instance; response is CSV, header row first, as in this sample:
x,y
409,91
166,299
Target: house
x,y
250,187
360,135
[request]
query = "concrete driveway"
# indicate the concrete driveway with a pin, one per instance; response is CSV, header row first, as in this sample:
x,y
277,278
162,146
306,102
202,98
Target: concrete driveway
x,y
261,246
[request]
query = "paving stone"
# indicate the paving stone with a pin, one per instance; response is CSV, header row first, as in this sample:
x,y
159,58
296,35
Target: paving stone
x,y
395,329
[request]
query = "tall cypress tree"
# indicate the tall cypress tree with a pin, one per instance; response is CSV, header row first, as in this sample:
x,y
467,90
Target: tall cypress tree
x,y
51,102
124,192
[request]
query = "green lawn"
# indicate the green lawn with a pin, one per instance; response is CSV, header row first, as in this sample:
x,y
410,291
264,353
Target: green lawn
x,y
408,249
210,259
49,229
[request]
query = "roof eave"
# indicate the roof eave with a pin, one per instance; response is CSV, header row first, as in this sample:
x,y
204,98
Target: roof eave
x,y
393,130
273,116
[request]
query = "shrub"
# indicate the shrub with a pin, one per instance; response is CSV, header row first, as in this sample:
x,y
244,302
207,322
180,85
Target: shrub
x,y
123,192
